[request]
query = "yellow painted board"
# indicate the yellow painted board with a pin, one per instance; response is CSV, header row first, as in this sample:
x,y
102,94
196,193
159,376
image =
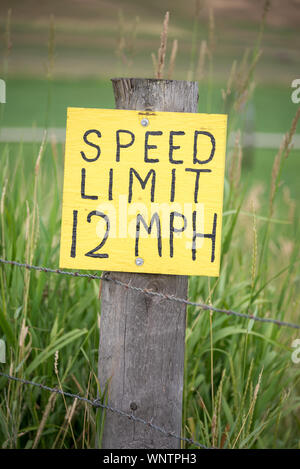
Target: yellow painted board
x,y
121,175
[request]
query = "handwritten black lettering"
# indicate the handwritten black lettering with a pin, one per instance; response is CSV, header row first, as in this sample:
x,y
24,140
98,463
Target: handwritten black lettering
x,y
197,171
155,219
174,147
149,147
142,182
83,194
211,236
94,145
93,253
213,147
123,145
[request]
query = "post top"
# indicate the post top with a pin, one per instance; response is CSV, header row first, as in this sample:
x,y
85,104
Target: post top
x,y
152,80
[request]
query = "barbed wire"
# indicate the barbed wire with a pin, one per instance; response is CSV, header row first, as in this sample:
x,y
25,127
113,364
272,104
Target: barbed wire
x,y
149,292
96,403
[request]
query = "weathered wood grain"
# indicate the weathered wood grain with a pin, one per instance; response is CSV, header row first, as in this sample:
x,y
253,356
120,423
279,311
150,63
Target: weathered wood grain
x,y
141,351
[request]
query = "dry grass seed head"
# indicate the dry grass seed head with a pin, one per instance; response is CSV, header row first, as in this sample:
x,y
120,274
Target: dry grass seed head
x,y
163,47
56,356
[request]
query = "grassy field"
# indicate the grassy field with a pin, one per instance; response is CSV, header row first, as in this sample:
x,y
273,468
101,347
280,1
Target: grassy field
x,y
241,386
105,39
42,313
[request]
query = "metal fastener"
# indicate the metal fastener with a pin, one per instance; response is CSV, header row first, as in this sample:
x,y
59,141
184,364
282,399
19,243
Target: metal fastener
x,y
144,122
139,261
133,406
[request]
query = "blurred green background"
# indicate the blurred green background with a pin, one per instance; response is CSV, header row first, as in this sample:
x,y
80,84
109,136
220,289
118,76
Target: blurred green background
x,y
60,54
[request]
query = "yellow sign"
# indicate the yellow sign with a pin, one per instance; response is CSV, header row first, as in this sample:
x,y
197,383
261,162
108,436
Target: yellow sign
x,y
143,191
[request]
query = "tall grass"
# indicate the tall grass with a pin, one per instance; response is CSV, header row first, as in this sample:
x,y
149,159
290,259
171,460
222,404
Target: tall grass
x,y
241,387
255,385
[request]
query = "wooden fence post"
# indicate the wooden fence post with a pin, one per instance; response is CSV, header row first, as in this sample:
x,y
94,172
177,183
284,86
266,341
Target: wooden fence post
x,y
142,338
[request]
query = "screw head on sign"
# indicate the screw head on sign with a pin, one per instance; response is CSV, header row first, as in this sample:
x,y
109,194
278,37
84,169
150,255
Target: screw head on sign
x,y
144,122
139,261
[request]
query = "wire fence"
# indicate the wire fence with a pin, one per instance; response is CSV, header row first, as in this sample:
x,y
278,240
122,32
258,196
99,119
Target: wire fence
x,y
96,402
146,291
